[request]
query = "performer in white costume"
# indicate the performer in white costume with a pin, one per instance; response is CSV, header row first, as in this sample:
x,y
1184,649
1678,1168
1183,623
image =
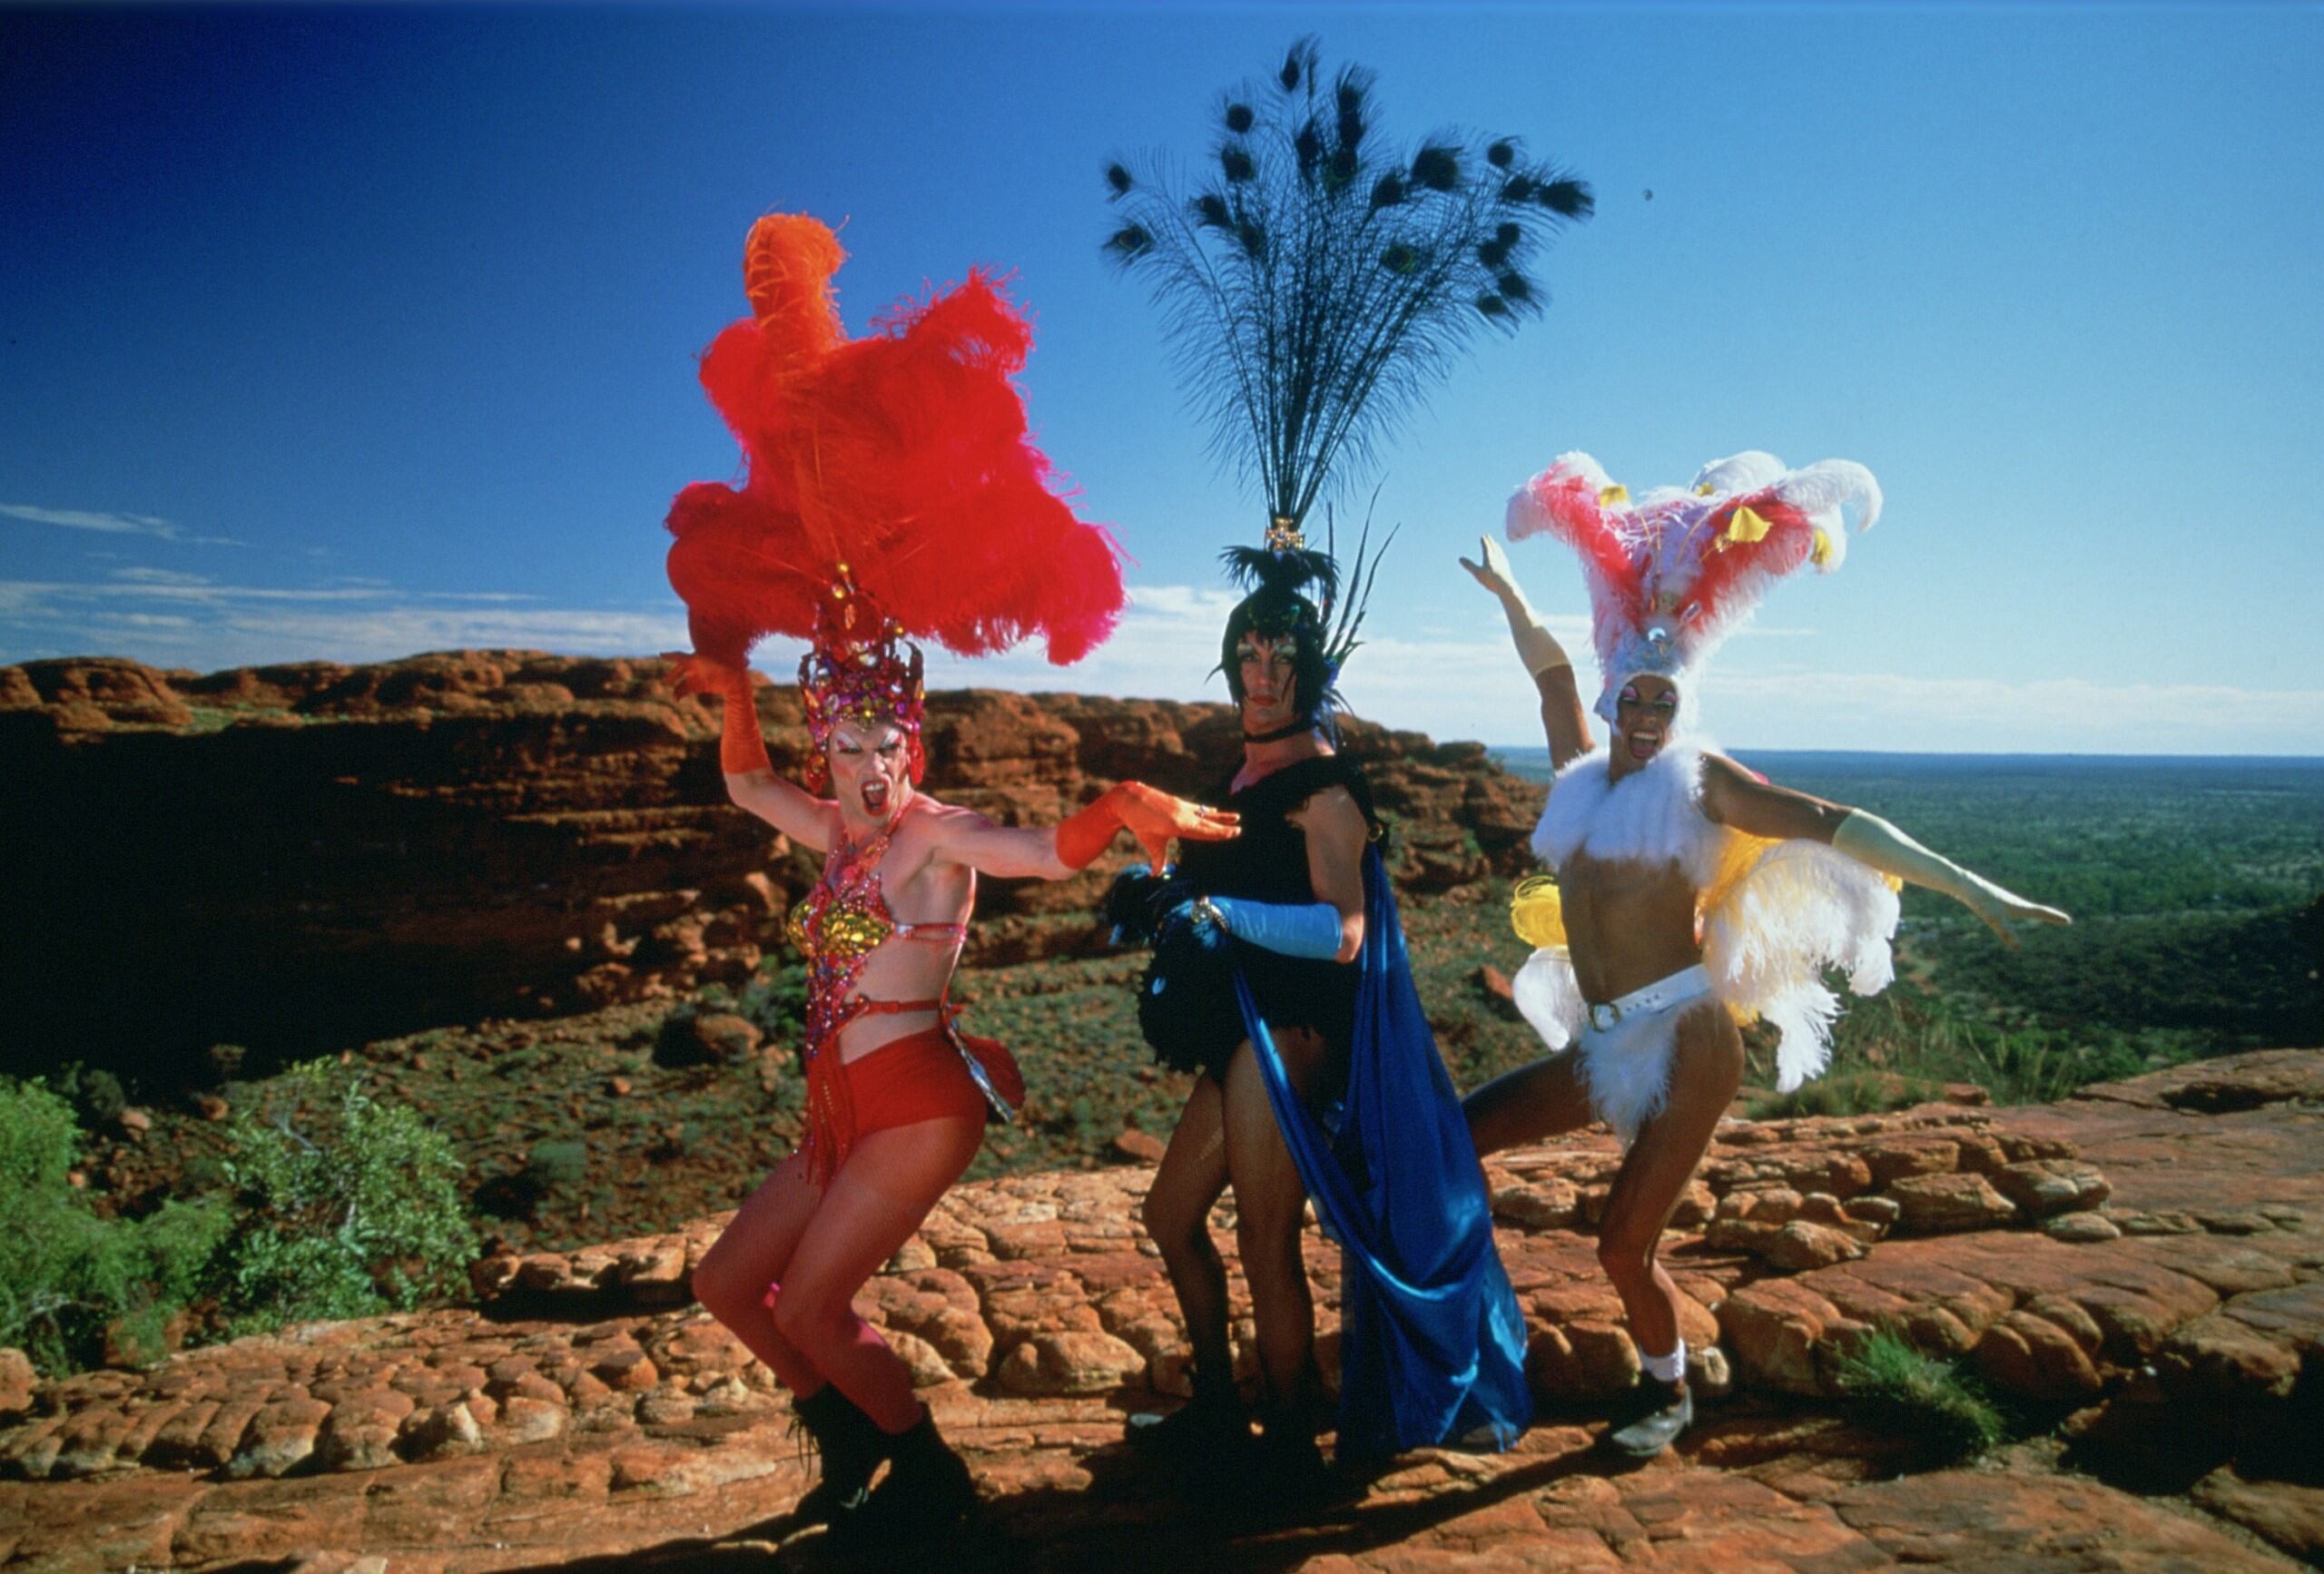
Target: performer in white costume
x,y
1690,894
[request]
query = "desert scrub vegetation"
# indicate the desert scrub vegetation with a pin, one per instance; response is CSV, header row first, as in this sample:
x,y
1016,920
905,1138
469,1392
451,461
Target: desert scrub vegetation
x,y
1895,1049
345,1205
77,1288
325,1203
1899,1389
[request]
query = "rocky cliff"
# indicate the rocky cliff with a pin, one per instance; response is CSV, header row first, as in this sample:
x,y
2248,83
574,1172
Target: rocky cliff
x,y
2139,1270
299,858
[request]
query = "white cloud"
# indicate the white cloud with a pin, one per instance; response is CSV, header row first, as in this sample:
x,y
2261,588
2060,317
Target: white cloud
x,y
140,620
1467,685
158,577
111,523
187,620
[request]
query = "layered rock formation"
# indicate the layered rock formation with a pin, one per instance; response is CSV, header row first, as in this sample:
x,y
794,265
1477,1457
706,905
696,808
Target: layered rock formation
x,y
2145,1260
300,858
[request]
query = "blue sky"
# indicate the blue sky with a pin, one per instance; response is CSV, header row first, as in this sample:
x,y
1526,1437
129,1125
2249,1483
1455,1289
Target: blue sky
x,y
348,333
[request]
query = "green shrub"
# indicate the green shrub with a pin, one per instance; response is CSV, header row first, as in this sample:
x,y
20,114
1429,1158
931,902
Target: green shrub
x,y
95,1094
67,1277
1929,1400
555,1164
775,1002
350,1205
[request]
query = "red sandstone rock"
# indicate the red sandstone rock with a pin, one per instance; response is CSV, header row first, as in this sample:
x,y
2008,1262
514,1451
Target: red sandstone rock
x,y
1135,1147
2045,1186
1945,1204
17,1381
475,783
533,1428
2287,1513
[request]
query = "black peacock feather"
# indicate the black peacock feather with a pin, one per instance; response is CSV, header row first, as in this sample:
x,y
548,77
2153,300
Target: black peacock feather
x,y
1331,279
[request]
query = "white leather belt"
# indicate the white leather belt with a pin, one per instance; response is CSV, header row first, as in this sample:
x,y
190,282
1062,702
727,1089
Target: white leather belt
x,y
1684,985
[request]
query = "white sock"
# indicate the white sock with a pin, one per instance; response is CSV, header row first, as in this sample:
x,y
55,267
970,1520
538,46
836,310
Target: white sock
x,y
1669,1367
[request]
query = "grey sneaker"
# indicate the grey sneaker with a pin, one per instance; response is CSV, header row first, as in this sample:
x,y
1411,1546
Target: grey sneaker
x,y
1657,1414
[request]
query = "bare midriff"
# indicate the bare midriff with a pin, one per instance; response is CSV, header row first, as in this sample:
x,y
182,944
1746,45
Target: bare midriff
x,y
1627,924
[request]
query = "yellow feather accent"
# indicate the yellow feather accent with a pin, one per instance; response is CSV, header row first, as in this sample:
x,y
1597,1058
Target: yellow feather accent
x,y
1609,496
1705,490
1747,525
1821,554
1536,912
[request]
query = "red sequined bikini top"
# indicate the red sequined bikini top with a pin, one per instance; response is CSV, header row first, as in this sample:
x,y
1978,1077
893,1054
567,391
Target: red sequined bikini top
x,y
837,926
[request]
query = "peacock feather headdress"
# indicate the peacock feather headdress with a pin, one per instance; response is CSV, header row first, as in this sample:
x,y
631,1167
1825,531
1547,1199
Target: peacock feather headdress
x,y
1319,279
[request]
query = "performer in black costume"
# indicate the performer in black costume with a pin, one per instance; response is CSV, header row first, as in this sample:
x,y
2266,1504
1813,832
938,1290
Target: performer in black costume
x,y
1319,277
1280,976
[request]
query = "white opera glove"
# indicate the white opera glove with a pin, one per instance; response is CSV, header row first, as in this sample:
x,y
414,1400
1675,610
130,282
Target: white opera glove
x,y
1536,647
1873,841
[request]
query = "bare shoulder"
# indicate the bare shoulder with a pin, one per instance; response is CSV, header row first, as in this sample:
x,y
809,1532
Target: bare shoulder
x,y
1331,811
1724,782
940,821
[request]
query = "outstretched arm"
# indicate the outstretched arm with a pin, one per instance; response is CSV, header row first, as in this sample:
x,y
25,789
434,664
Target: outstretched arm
x,y
1564,720
1057,851
1733,796
750,781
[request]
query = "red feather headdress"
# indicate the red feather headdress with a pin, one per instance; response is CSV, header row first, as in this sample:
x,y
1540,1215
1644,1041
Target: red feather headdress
x,y
891,490
1673,574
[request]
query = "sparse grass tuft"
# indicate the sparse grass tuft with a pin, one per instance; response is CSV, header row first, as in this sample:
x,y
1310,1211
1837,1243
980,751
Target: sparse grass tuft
x,y
1929,1399
1846,1092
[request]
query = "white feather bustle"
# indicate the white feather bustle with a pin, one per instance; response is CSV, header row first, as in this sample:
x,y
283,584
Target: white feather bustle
x,y
1801,909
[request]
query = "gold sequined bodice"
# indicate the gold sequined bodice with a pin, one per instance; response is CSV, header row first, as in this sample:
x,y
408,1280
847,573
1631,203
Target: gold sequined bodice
x,y
840,925
837,926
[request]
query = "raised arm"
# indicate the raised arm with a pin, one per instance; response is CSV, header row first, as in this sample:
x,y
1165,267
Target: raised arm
x,y
1735,797
1565,722
1057,851
750,781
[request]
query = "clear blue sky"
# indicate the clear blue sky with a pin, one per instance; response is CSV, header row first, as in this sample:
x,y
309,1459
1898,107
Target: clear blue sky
x,y
350,333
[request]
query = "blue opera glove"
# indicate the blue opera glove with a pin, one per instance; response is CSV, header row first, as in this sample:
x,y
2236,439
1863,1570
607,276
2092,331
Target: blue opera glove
x,y
1308,930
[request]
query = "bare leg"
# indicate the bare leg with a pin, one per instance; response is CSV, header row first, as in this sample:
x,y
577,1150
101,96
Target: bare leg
x,y
892,1179
1270,1204
1528,1104
1706,1069
751,1253
1177,1215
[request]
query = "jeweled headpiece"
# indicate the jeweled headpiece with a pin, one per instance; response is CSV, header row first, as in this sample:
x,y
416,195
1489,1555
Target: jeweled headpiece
x,y
860,670
891,492
1674,573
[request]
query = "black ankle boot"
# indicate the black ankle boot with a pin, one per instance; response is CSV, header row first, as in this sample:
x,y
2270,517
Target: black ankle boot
x,y
852,1445
1211,1429
929,1488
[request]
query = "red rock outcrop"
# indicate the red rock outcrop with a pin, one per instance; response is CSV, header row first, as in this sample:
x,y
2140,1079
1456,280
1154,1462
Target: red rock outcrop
x,y
299,857
592,1412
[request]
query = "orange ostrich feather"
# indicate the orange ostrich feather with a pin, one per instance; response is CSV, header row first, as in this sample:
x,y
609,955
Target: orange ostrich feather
x,y
904,455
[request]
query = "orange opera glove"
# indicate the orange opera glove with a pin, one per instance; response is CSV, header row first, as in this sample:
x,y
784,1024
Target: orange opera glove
x,y
1152,815
741,748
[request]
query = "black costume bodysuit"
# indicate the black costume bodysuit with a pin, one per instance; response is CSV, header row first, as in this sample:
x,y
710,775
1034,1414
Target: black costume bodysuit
x,y
1267,862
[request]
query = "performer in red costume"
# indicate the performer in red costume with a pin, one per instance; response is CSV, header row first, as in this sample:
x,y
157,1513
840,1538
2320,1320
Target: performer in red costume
x,y
891,495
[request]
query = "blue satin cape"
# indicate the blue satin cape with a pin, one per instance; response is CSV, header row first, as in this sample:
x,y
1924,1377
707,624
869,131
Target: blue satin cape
x,y
1432,1344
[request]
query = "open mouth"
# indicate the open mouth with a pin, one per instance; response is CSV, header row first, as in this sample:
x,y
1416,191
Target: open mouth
x,y
1644,744
874,794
